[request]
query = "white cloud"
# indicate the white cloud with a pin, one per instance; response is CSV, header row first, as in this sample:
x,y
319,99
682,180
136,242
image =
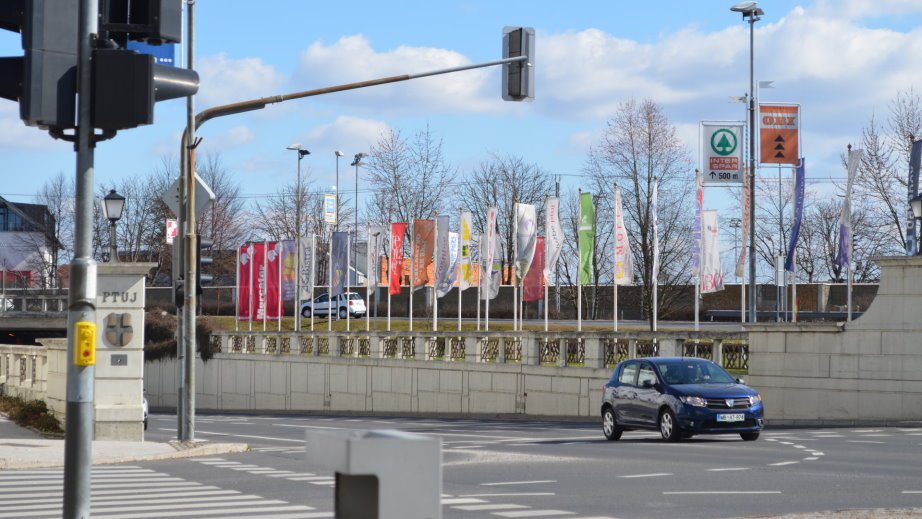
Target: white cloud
x,y
352,59
346,133
15,135
230,139
226,80
867,8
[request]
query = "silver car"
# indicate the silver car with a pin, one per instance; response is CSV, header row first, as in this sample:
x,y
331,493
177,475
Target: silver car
x,y
350,303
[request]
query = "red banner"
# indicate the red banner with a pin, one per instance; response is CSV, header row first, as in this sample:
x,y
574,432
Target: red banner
x,y
533,284
398,231
244,265
273,280
423,250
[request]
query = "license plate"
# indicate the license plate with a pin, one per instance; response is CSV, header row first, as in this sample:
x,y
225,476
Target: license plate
x,y
734,417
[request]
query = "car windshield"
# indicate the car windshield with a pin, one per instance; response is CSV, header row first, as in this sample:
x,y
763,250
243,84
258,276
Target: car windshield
x,y
675,373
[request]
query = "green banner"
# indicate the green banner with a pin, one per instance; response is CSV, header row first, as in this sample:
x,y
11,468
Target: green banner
x,y
586,233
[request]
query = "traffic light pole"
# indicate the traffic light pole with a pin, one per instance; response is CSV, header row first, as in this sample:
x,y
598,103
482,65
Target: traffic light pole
x,y
186,407
81,311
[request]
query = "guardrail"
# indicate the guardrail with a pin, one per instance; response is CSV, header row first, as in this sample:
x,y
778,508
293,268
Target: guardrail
x,y
24,371
33,300
563,349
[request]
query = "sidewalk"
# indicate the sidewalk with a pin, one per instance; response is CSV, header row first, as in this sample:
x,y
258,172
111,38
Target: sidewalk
x,y
21,448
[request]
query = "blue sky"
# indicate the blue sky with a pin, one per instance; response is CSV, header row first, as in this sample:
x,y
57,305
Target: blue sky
x,y
843,60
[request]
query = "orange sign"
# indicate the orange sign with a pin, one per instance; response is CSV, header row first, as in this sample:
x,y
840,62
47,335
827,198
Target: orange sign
x,y
779,132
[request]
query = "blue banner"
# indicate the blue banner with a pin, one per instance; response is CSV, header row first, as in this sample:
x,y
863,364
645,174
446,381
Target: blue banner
x,y
915,157
798,214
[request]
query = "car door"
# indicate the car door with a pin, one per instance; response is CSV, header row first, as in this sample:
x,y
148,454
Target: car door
x,y
648,393
322,305
624,394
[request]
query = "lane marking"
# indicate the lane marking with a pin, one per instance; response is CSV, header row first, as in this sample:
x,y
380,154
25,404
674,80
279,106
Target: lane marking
x,y
812,458
783,463
461,501
863,441
512,494
654,475
720,492
728,469
475,508
504,483
251,436
533,513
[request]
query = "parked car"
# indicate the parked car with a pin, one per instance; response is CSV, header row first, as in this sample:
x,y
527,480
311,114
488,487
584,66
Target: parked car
x,y
680,397
144,409
350,302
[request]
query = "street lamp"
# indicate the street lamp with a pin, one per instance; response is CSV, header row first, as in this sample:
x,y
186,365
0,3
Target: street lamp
x,y
751,11
916,205
297,299
357,162
338,155
113,204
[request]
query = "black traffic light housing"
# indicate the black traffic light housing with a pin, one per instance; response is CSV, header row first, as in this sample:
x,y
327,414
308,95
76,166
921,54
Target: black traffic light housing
x,y
203,246
519,77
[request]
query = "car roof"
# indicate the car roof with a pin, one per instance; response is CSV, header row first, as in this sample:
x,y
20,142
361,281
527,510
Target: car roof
x,y
673,360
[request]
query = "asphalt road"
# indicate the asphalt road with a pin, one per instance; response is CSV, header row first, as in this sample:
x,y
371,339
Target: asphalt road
x,y
497,469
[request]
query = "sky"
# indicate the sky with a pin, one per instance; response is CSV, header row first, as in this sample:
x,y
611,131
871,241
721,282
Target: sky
x,y
842,60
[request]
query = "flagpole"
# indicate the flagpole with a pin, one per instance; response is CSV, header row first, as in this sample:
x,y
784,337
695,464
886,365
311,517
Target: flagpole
x,y
515,266
237,299
614,277
279,259
330,284
435,291
851,239
412,268
489,270
390,275
251,249
579,274
546,270
368,255
479,281
348,281
794,290
655,260
459,270
265,282
310,297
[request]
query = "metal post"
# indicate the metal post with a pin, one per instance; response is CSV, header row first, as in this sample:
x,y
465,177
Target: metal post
x,y
336,224
557,263
113,249
297,236
189,246
752,171
82,295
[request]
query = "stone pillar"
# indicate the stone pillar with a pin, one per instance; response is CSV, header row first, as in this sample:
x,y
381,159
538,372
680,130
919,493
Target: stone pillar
x,y
595,356
532,349
376,346
120,351
717,352
632,348
500,349
421,347
472,348
668,347
336,346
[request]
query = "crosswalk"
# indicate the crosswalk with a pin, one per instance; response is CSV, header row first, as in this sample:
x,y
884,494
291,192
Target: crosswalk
x,y
290,475
132,492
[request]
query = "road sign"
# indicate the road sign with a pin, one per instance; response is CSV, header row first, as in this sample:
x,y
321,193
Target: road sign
x,y
203,197
329,208
779,132
722,152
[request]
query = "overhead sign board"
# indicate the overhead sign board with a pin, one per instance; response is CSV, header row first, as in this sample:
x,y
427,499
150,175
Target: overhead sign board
x,y
329,208
779,134
722,152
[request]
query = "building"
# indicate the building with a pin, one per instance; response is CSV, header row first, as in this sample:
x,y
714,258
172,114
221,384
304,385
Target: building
x,y
28,245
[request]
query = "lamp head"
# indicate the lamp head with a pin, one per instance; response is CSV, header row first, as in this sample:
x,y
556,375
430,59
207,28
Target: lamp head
x,y
113,203
302,153
750,9
916,205
293,147
339,153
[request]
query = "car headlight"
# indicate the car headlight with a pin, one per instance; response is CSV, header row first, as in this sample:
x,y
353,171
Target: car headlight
x,y
696,401
753,400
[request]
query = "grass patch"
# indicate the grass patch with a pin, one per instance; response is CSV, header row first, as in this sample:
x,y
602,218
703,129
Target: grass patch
x,y
33,414
321,324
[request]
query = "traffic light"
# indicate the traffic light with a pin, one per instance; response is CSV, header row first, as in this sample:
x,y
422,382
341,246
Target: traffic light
x,y
204,246
519,77
44,79
126,84
179,294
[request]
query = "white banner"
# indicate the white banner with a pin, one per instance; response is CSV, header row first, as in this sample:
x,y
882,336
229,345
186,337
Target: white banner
x,y
488,253
712,277
654,217
491,278
554,239
624,262
377,238
465,258
308,264
442,256
744,200
526,237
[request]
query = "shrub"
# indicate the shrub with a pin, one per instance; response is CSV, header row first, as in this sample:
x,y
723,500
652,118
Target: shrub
x,y
160,335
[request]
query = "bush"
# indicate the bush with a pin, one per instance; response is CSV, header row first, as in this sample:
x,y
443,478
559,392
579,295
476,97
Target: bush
x,y
160,335
33,414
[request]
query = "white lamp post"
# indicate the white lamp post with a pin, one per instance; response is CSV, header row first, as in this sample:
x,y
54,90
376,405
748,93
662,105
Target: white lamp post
x,y
916,205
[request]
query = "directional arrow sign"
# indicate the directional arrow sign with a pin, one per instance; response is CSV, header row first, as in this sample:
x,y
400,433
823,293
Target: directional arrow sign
x,y
203,197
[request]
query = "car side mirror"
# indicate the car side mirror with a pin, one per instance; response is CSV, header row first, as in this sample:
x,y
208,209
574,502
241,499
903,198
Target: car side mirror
x,y
648,384
740,381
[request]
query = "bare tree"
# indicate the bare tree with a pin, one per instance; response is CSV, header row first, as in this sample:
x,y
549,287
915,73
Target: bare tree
x,y
503,181
639,147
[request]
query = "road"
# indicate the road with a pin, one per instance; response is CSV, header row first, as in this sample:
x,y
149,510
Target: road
x,y
508,469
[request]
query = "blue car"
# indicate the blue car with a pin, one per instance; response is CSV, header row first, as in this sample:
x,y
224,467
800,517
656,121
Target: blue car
x,y
680,397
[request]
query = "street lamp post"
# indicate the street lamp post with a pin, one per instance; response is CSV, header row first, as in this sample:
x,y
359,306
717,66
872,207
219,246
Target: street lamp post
x,y
113,204
751,11
357,162
338,155
297,236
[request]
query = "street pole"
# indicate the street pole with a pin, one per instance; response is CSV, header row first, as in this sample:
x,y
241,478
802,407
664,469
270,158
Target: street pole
x,y
753,13
81,314
189,245
297,298
336,223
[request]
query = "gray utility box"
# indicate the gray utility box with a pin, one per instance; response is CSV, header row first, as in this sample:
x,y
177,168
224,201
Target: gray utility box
x,y
381,474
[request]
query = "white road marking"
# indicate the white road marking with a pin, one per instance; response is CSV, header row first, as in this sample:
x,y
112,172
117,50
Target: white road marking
x,y
912,491
533,513
254,437
874,435
816,453
728,469
863,441
654,475
799,447
513,494
504,483
783,463
475,508
461,501
812,458
721,492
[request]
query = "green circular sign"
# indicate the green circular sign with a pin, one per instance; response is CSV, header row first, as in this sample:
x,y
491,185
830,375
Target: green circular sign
x,y
723,142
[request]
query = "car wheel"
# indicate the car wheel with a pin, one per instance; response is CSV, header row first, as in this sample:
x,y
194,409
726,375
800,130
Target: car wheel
x,y
750,436
342,313
609,426
145,424
668,426
306,312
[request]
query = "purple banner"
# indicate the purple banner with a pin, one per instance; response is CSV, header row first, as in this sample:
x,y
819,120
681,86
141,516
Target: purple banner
x,y
798,214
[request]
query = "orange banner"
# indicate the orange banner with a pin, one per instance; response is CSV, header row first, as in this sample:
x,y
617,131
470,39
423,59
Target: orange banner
x,y
779,134
423,249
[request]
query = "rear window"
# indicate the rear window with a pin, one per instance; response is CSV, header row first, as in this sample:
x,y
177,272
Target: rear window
x,y
354,296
